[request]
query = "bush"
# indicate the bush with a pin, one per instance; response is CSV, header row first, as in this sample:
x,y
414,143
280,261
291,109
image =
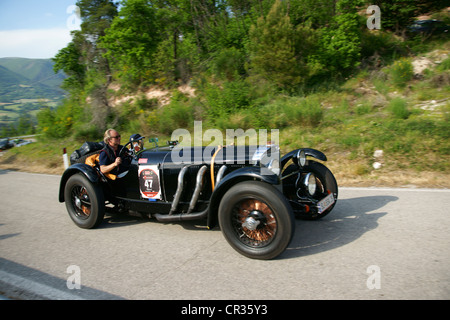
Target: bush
x,y
88,133
272,115
305,111
175,115
401,72
229,98
58,122
444,65
291,112
378,48
399,109
229,63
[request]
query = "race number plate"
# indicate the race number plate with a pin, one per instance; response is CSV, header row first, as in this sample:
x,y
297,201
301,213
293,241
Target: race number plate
x,y
149,182
325,203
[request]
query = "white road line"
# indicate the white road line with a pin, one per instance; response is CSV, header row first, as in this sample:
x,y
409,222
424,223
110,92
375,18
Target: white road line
x,y
39,289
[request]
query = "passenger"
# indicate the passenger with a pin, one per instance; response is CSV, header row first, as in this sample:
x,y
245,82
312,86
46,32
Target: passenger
x,y
137,143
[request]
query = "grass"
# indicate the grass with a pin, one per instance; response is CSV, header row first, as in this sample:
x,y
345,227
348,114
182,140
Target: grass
x,y
42,156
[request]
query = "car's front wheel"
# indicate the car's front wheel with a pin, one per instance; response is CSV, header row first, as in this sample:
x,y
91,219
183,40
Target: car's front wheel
x,y
84,202
256,220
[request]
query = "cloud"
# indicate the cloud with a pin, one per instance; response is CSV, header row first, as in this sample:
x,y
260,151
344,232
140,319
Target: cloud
x,y
33,43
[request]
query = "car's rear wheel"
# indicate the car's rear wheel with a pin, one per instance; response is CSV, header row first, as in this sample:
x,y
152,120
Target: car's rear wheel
x,y
84,202
256,220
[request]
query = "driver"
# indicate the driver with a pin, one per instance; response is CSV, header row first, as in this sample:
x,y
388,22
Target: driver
x,y
109,159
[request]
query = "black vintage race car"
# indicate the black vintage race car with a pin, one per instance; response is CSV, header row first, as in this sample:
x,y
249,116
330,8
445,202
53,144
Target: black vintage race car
x,y
252,193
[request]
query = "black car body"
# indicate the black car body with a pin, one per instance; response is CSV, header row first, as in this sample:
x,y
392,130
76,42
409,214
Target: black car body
x,y
428,27
5,144
251,192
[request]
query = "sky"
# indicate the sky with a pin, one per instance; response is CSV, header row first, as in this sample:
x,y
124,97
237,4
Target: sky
x,y
36,29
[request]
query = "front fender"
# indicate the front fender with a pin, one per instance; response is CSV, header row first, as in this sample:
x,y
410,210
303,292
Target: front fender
x,y
239,175
308,151
85,169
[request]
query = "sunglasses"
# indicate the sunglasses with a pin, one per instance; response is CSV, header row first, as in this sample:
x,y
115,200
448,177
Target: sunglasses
x,y
116,137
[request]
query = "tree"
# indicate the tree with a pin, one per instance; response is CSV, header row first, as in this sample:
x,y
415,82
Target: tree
x,y
25,124
83,53
96,16
272,49
84,60
132,39
68,60
317,13
398,14
173,17
339,47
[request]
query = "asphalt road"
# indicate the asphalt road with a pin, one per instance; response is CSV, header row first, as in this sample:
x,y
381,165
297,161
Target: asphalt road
x,y
376,244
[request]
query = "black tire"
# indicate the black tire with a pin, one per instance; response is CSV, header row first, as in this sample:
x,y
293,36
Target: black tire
x,y
256,220
84,202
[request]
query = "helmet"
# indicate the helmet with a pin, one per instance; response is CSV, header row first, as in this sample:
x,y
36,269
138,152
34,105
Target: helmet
x,y
136,137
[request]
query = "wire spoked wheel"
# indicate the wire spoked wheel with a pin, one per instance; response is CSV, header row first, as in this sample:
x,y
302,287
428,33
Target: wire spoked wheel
x,y
256,220
81,202
84,202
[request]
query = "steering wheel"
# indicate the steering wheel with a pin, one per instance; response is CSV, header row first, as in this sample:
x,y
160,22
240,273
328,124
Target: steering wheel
x,y
124,152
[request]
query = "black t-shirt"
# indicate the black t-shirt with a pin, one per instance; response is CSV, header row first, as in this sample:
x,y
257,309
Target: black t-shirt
x,y
108,156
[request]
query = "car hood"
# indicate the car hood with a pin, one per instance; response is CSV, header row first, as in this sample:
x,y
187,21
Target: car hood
x,y
198,155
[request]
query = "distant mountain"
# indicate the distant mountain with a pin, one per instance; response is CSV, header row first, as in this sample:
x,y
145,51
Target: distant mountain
x,y
22,78
9,78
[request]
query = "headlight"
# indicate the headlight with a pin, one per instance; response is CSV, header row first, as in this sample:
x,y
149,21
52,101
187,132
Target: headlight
x,y
301,156
310,183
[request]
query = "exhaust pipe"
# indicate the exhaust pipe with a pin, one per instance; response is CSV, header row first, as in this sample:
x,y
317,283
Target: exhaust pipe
x,y
179,191
181,216
198,188
221,173
189,215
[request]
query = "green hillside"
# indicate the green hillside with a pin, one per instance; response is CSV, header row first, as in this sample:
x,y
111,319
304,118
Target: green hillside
x,y
10,78
39,71
26,86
